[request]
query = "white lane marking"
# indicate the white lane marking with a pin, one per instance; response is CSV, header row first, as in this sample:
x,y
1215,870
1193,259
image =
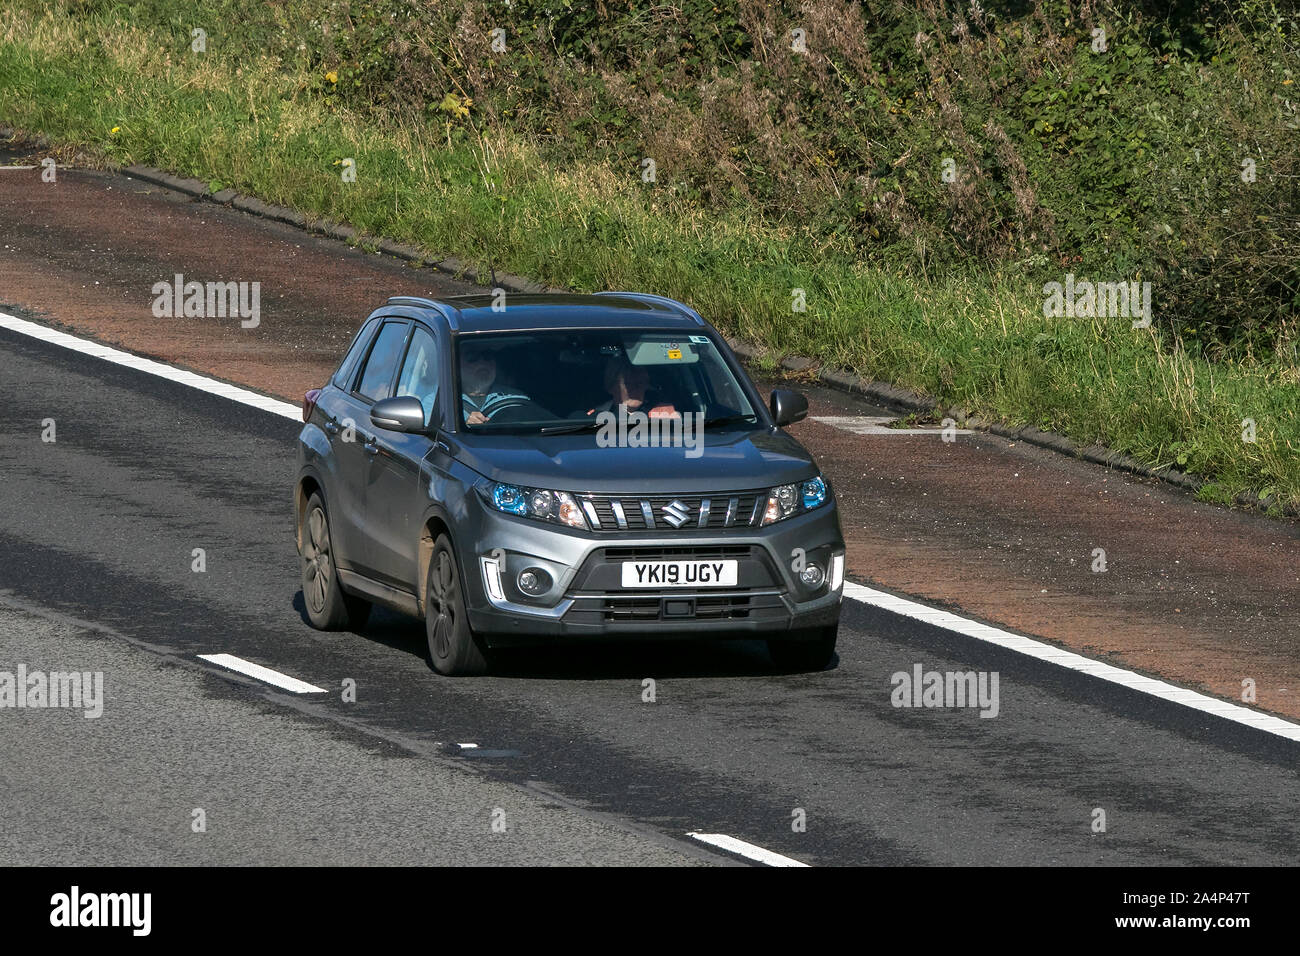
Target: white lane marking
x,y
283,681
129,360
468,746
875,425
1075,662
731,844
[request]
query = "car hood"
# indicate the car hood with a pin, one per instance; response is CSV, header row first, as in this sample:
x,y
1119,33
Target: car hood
x,y
726,461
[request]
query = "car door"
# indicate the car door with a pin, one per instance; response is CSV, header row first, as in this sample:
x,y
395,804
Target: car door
x,y
339,408
356,450
394,494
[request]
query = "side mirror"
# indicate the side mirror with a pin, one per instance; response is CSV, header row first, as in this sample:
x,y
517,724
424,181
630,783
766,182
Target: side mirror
x,y
787,407
402,414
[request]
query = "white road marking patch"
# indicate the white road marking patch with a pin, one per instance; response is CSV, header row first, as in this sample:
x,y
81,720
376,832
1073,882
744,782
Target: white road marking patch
x,y
876,425
748,850
150,367
468,746
257,671
1075,662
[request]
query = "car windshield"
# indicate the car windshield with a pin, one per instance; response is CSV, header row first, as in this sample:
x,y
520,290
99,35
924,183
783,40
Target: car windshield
x,y
570,380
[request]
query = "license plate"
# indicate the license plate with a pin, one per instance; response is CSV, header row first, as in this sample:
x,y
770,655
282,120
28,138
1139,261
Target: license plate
x,y
679,574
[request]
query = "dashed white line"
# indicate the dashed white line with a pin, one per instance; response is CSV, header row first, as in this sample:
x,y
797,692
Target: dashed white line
x,y
747,850
1072,661
257,671
149,366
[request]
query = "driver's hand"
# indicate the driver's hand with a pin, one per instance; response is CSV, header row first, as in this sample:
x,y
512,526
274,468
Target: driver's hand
x,y
476,418
663,411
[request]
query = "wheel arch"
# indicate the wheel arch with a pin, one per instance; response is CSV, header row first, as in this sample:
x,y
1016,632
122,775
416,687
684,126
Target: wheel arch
x,y
308,484
436,522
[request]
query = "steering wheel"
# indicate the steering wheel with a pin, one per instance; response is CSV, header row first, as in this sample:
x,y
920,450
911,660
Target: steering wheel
x,y
515,410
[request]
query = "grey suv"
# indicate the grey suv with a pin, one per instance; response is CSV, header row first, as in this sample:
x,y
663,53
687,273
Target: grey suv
x,y
562,467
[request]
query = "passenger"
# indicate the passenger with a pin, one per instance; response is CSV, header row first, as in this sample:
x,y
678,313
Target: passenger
x,y
629,386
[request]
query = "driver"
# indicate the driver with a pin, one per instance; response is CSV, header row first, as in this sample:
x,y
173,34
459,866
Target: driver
x,y
480,396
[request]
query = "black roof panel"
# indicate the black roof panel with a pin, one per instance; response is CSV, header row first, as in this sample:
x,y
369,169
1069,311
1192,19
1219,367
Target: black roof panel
x,y
565,311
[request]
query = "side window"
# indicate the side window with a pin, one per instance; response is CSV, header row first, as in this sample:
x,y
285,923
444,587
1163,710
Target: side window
x,y
377,379
420,372
349,364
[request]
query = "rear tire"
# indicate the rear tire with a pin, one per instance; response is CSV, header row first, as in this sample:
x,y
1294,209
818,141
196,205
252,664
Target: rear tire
x,y
809,650
454,651
329,607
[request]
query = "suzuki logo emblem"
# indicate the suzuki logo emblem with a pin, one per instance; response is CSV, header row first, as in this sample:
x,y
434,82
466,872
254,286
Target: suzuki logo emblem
x,y
677,513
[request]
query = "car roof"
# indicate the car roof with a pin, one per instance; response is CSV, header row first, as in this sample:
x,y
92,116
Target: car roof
x,y
474,313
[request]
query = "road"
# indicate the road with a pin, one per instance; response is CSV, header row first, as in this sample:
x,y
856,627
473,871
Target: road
x,y
97,537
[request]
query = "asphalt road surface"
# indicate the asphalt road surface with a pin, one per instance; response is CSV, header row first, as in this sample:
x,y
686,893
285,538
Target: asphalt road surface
x,y
97,537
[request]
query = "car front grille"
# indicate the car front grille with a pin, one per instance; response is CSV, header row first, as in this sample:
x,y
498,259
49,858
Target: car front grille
x,y
669,513
717,608
707,553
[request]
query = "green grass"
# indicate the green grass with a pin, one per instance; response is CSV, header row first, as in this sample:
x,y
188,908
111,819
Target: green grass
x,y
974,337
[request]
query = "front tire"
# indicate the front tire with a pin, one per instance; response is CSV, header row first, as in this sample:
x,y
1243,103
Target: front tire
x,y
454,651
329,607
810,650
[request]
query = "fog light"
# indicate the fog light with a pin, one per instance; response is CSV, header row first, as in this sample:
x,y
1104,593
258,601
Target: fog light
x,y
534,581
812,576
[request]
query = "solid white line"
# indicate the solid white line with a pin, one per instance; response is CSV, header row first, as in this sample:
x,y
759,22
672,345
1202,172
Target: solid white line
x,y
1072,661
129,360
283,681
731,844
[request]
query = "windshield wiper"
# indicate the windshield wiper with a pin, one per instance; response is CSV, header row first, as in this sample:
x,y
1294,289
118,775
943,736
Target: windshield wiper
x,y
728,419
570,429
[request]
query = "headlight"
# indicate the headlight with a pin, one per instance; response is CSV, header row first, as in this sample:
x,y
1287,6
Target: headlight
x,y
786,500
539,503
509,499
813,491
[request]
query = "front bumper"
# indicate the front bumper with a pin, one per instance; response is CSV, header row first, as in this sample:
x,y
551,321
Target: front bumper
x,y
586,599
